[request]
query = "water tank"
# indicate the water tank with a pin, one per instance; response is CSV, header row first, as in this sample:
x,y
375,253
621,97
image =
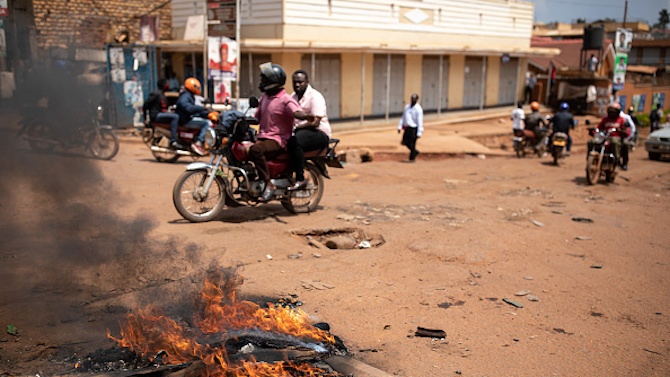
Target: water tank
x,y
593,38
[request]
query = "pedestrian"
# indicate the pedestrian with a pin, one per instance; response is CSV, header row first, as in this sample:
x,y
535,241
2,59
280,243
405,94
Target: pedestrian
x,y
593,63
655,118
412,123
307,136
530,85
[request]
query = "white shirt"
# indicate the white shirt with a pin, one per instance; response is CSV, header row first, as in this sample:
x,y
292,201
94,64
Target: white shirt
x,y
517,118
312,102
412,117
628,119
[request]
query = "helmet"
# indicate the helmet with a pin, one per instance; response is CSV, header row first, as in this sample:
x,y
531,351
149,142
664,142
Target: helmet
x,y
272,76
193,85
613,110
535,105
213,116
614,105
564,106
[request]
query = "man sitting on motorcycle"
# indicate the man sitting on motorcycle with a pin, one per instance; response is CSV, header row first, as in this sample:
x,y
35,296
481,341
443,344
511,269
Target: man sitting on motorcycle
x,y
563,121
157,109
535,123
614,122
276,113
192,115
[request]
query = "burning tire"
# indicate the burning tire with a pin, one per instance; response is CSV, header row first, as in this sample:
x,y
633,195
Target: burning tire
x,y
191,200
308,198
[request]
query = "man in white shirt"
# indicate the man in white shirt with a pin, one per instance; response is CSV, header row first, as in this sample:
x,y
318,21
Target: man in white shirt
x,y
308,136
412,122
517,117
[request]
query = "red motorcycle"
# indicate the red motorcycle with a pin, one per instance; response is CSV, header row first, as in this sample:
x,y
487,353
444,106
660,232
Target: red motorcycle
x,y
230,179
157,136
601,160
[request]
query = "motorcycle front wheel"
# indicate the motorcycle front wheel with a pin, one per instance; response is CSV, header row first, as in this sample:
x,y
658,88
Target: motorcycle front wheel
x,y
105,145
306,199
520,148
592,170
191,200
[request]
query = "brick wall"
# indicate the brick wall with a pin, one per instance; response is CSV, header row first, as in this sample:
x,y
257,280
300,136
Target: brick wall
x,y
68,24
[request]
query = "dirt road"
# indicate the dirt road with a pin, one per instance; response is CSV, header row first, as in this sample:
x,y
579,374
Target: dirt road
x,y
87,241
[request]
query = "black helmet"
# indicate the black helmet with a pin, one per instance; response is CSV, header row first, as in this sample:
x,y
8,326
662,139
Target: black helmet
x,y
272,76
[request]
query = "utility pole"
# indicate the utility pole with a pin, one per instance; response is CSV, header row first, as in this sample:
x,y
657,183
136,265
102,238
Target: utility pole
x,y
625,13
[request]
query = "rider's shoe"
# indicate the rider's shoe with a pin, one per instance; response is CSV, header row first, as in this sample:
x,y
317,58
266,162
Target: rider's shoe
x,y
297,186
176,145
624,167
268,193
197,148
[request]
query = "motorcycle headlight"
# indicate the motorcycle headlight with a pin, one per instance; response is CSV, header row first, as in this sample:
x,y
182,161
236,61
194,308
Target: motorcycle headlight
x,y
210,138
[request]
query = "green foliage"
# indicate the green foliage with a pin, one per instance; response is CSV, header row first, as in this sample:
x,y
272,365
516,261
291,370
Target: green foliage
x,y
643,119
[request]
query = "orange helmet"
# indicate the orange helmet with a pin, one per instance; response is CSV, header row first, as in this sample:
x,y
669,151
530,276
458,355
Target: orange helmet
x,y
213,116
535,105
193,85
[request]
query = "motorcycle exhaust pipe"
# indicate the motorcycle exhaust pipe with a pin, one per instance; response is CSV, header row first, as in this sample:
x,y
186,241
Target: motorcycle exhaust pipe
x,y
155,148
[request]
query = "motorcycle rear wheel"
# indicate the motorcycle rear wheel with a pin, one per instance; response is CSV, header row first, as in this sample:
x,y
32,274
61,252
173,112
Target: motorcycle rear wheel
x,y
592,170
163,142
306,199
555,153
105,145
38,131
192,202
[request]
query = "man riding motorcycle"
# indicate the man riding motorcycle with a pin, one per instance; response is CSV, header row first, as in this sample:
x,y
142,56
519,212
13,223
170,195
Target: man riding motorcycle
x,y
613,120
563,121
535,123
276,113
192,115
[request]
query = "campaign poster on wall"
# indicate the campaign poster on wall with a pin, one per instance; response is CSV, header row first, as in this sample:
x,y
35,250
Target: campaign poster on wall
x,y
623,40
639,102
222,53
620,63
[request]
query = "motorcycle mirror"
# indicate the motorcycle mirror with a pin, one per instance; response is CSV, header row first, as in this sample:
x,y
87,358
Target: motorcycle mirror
x,y
253,101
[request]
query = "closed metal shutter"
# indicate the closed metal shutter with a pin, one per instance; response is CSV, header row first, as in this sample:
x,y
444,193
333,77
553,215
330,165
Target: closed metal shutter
x,y
381,90
473,79
434,95
325,78
508,80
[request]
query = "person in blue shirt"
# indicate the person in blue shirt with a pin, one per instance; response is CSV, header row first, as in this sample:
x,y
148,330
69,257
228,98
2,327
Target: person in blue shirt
x,y
192,115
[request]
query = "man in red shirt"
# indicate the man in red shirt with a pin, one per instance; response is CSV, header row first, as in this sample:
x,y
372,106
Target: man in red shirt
x,y
615,123
276,113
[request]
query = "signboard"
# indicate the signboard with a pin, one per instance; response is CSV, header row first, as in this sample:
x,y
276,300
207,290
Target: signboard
x,y
623,40
4,11
221,17
620,63
222,53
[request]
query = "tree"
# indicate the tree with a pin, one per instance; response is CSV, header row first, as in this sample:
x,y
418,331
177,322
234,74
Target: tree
x,y
663,19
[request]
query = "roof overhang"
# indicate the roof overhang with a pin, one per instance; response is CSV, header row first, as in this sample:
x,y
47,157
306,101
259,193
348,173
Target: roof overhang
x,y
275,45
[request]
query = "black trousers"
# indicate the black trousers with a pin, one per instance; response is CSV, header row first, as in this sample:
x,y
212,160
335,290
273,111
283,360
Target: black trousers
x,y
409,140
305,140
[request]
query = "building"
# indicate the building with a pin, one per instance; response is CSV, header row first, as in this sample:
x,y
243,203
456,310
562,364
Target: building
x,y
366,56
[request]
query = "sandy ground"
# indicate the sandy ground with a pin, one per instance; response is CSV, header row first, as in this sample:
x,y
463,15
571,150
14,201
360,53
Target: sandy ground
x,y
85,242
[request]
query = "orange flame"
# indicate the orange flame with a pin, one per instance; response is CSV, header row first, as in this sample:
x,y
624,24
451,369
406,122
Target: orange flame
x,y
148,332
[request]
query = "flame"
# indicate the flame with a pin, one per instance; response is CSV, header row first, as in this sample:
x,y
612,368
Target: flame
x,y
150,333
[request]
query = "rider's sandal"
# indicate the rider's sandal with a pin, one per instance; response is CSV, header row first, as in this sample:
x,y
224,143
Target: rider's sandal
x,y
297,186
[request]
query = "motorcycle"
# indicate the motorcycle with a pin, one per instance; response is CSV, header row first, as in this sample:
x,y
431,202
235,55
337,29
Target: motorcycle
x,y
601,159
230,179
525,142
43,135
557,145
157,136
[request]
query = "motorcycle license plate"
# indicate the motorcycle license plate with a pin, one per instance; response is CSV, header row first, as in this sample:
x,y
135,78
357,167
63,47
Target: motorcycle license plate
x,y
559,143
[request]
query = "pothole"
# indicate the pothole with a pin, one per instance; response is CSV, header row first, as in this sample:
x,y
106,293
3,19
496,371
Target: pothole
x,y
340,238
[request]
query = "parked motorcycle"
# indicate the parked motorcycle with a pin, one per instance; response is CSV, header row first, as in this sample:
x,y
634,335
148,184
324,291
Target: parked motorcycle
x,y
601,159
201,192
526,142
44,134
